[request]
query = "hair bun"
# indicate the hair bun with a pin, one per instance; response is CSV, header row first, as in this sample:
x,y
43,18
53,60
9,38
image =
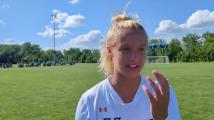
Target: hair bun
x,y
120,18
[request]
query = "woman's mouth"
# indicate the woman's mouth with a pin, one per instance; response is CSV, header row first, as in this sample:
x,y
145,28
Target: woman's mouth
x,y
132,66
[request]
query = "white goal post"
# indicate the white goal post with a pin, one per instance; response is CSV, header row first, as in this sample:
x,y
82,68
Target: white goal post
x,y
157,59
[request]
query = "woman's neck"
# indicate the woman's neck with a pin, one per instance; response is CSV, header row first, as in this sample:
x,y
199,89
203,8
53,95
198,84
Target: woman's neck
x,y
125,87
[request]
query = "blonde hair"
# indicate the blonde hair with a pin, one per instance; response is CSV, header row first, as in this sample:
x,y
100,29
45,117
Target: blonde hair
x,y
119,21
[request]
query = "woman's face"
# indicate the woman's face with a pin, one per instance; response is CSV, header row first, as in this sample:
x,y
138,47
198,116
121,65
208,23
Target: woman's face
x,y
129,53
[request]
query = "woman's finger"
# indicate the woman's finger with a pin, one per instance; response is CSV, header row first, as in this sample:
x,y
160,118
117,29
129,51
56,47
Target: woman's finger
x,y
155,88
149,94
164,85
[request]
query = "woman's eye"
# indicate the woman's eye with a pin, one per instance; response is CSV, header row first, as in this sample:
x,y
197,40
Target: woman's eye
x,y
125,49
141,49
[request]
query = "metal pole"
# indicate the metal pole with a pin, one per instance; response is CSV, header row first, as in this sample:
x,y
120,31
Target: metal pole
x,y
54,17
54,41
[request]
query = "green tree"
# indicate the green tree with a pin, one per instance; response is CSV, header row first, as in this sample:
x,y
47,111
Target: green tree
x,y
30,52
208,37
9,53
192,48
174,49
208,46
49,55
72,55
95,55
86,56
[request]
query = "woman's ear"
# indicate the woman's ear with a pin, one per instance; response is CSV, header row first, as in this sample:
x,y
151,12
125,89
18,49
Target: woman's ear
x,y
109,52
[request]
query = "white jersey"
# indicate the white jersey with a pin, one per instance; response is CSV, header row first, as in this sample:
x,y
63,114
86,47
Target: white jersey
x,y
103,103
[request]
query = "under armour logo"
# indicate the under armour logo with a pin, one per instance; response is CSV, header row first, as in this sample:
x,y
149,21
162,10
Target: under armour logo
x,y
117,118
104,109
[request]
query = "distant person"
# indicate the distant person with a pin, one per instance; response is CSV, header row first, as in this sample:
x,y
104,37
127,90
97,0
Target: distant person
x,y
125,94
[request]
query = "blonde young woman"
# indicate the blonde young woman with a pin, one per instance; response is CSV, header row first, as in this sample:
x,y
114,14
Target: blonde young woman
x,y
125,94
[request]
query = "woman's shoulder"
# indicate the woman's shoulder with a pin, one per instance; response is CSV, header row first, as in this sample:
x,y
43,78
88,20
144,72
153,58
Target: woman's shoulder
x,y
85,105
93,91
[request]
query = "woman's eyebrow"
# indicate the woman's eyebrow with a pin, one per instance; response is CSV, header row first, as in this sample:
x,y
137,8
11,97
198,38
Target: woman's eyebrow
x,y
143,44
125,44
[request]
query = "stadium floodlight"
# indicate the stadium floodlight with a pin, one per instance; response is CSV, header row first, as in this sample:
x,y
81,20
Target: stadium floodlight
x,y
54,17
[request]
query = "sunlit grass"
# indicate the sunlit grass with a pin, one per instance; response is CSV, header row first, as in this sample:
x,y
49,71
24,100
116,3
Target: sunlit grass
x,y
52,93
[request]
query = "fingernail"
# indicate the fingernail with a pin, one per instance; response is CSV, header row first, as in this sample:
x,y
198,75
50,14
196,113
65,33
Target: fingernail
x,y
154,70
144,87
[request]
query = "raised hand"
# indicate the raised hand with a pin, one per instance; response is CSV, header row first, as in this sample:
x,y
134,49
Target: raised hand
x,y
160,101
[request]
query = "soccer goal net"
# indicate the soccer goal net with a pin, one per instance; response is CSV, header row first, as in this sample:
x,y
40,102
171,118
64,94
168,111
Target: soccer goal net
x,y
157,59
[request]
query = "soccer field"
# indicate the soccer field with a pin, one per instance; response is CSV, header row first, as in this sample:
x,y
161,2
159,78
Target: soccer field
x,y
52,93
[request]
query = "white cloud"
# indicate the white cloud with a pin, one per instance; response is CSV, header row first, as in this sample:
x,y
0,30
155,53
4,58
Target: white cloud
x,y
2,22
73,21
10,41
6,6
68,21
168,26
201,19
49,32
63,21
91,40
74,1
61,33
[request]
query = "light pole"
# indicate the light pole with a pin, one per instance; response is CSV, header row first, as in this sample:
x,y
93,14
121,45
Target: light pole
x,y
54,16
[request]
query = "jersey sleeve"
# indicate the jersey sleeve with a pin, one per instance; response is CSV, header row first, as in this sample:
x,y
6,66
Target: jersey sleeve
x,y
82,111
173,110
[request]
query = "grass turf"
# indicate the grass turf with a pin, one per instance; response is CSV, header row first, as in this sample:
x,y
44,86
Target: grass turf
x,y
52,93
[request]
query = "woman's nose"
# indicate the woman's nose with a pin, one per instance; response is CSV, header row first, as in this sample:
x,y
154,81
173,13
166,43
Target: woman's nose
x,y
133,56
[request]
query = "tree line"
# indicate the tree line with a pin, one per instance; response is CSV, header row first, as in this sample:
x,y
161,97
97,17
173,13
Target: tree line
x,y
27,53
191,48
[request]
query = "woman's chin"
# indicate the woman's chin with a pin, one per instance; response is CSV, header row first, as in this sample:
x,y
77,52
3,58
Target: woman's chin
x,y
132,75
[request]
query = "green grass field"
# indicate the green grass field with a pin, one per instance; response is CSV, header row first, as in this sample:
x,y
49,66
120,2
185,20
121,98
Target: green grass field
x,y
52,93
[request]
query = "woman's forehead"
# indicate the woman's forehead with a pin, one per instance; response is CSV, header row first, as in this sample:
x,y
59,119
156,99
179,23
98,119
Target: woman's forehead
x,y
132,35
129,33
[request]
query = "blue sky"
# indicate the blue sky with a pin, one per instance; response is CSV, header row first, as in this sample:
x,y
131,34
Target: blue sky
x,y
84,23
